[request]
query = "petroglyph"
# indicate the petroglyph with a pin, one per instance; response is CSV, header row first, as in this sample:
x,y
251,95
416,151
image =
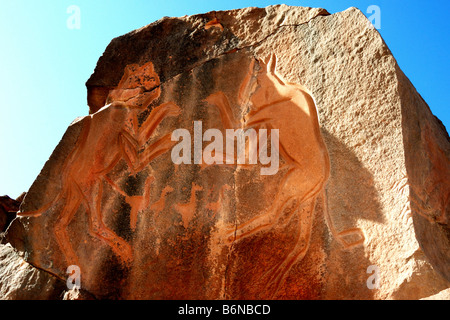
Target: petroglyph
x,y
108,136
276,104
188,209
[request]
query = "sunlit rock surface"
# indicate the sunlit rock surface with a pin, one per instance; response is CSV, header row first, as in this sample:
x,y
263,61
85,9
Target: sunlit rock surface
x,y
357,207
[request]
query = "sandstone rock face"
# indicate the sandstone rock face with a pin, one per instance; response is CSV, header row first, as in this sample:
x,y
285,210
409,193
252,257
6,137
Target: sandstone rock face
x,y
338,192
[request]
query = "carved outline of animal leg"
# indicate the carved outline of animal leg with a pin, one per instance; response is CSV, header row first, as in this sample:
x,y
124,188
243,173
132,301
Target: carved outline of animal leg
x,y
254,225
281,149
142,202
271,67
272,216
38,212
279,272
247,87
114,185
339,236
136,160
130,146
78,145
271,72
291,162
153,151
267,220
97,228
71,206
157,115
220,101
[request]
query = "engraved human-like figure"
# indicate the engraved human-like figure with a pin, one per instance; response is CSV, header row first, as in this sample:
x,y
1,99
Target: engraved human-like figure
x,y
108,136
276,104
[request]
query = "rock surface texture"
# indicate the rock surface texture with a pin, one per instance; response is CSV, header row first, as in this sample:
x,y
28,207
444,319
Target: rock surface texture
x,y
8,210
356,208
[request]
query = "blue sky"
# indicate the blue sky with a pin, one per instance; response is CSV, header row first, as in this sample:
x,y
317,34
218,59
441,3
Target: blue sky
x,y
44,65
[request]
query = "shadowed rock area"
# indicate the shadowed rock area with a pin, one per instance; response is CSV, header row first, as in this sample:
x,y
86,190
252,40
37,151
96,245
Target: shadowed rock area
x,y
8,210
338,191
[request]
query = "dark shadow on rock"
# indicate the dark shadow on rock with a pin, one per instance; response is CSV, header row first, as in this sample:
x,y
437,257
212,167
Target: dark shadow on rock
x,y
8,210
351,196
427,158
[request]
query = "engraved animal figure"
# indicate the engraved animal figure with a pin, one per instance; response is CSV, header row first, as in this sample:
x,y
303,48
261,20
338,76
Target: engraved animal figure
x,y
108,136
290,108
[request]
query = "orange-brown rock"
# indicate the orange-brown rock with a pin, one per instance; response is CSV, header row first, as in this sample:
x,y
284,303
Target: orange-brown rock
x,y
8,209
144,196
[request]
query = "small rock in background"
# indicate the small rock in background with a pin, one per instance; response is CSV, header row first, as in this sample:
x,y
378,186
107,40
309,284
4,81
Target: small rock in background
x,y
8,210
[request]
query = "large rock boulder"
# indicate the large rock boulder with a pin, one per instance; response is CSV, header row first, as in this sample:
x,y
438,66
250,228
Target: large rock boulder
x,y
144,196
